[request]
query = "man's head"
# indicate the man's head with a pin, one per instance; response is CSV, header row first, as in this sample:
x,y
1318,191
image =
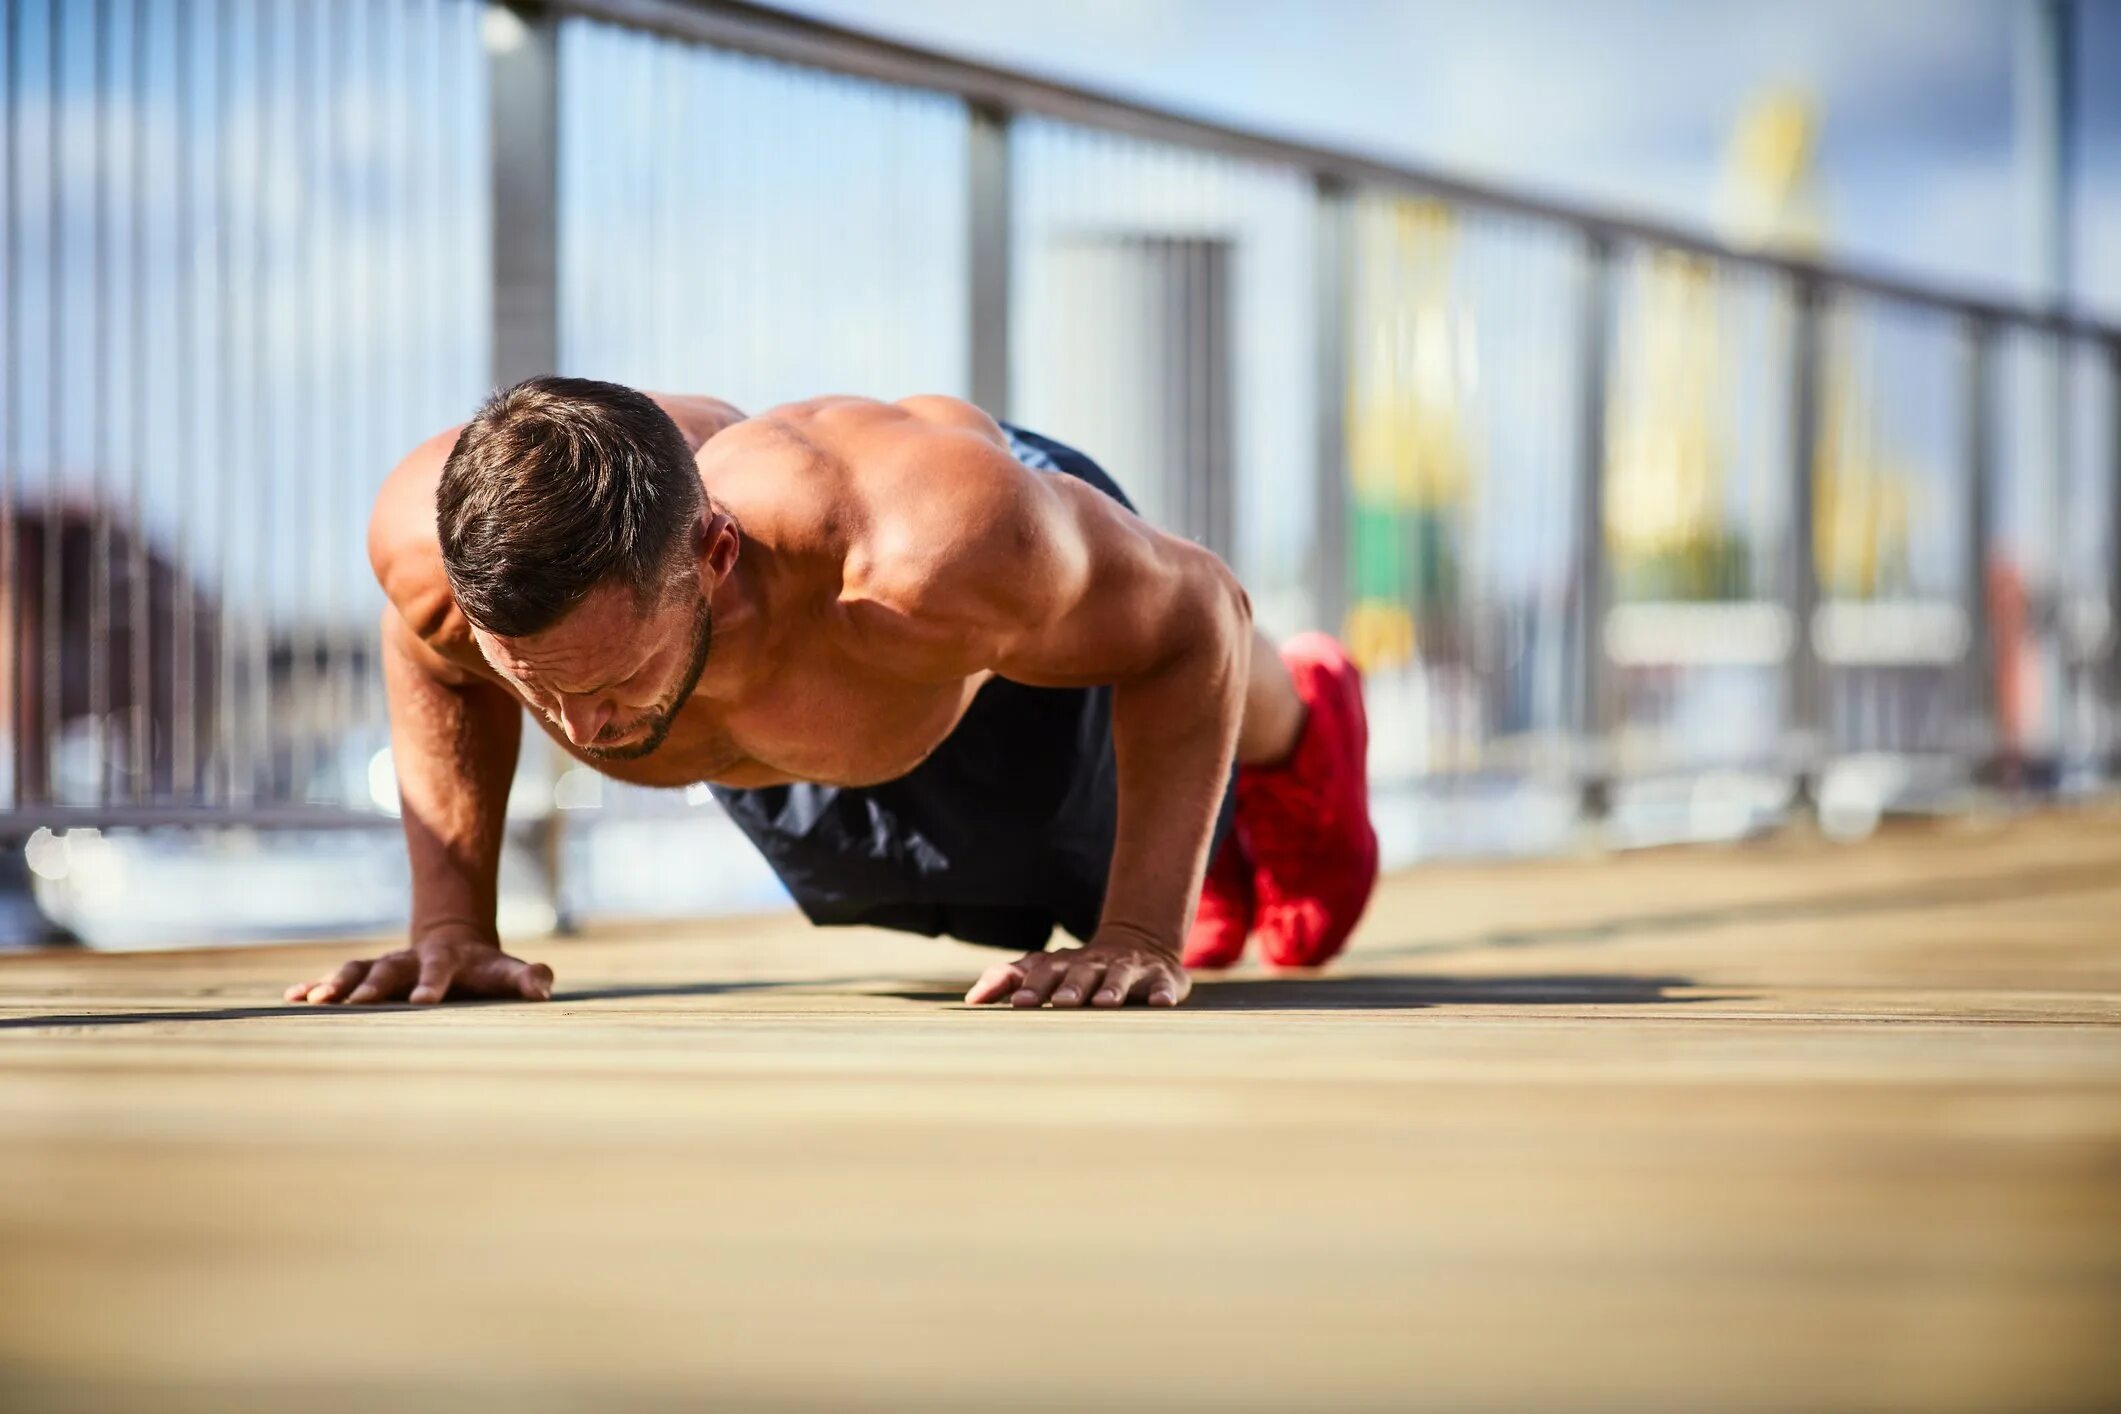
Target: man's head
x,y
579,545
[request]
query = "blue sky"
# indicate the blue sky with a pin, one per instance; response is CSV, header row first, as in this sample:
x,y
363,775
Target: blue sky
x,y
1627,103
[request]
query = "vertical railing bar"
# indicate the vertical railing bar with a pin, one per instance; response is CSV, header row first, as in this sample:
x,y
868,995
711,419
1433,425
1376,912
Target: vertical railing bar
x,y
654,206
218,468
1171,511
14,330
103,370
758,259
325,374
184,762
641,136
1183,246
1332,225
1226,485
1230,194
1184,243
434,184
522,158
55,396
2113,561
522,170
901,109
382,308
331,512
395,59
2069,663
1802,666
987,246
1596,706
1198,333
264,424
1983,739
141,696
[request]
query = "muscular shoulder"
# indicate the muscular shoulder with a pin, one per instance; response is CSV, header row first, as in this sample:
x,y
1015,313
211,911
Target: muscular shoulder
x,y
969,553
871,468
868,424
406,554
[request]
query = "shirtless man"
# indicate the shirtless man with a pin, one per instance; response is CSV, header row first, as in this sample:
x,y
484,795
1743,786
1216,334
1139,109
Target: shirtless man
x,y
934,667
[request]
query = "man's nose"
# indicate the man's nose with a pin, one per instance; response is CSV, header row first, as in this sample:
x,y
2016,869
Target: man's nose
x,y
584,718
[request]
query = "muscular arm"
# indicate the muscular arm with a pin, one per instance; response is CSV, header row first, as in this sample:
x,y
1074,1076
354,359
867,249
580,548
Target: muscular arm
x,y
455,734
1046,581
454,737
1166,624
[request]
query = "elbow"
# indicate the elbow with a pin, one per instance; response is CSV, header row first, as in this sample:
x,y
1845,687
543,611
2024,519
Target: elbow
x,y
1226,602
1218,626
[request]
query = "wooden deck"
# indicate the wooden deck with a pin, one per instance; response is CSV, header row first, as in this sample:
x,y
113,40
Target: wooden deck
x,y
1782,1126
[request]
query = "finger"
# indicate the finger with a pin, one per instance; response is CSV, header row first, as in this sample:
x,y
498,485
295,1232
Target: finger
x,y
300,991
437,971
1040,978
1168,985
1121,982
499,975
997,982
1079,981
386,981
535,983
339,983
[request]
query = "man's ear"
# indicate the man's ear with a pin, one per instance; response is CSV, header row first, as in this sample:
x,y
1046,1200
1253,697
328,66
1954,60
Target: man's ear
x,y
715,545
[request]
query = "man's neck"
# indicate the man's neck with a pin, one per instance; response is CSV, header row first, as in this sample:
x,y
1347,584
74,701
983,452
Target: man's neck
x,y
739,649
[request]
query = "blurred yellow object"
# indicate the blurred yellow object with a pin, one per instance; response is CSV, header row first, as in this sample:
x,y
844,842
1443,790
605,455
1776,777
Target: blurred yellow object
x,y
1405,446
1379,634
1863,496
1668,443
1771,195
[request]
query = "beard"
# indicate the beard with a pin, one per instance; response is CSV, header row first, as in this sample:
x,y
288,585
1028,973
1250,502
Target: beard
x,y
661,717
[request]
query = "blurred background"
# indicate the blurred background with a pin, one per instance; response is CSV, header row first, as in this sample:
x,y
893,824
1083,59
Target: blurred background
x,y
1698,418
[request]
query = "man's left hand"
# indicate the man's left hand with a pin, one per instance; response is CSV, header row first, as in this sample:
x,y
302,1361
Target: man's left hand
x,y
1114,968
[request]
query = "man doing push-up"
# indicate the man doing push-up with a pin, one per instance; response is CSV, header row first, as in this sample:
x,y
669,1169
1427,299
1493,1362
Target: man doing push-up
x,y
934,667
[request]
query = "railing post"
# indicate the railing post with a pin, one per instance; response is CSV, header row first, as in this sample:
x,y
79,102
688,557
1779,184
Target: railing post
x,y
523,150
548,840
2112,654
523,164
1983,736
988,197
1805,695
1597,701
1334,292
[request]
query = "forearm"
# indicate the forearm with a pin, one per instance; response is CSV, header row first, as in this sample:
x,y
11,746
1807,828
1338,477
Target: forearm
x,y
455,746
1175,734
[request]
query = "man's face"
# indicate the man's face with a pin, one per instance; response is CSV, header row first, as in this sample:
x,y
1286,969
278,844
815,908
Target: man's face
x,y
611,680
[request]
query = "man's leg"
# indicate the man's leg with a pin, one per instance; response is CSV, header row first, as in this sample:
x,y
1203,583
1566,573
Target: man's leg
x,y
1300,865
1273,722
1274,713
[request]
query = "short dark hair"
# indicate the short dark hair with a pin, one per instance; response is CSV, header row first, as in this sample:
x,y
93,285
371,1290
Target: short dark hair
x,y
558,486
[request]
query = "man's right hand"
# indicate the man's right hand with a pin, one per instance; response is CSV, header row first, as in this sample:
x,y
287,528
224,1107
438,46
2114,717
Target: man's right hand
x,y
437,967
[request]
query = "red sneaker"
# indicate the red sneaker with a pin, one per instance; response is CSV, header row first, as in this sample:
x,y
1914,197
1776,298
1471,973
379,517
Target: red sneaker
x,y
1307,820
1225,913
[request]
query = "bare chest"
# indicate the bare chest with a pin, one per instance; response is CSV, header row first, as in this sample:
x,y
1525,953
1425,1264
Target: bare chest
x,y
831,722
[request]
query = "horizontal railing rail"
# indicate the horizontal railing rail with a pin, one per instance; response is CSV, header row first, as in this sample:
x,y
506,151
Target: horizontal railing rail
x,y
819,44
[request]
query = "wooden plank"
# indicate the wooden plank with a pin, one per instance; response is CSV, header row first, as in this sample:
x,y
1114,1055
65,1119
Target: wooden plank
x,y
1765,1127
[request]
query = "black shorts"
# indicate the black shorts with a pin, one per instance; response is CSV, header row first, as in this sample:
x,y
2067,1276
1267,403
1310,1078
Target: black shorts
x,y
1004,832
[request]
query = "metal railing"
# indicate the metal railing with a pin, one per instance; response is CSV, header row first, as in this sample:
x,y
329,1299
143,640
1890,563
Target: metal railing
x,y
1601,503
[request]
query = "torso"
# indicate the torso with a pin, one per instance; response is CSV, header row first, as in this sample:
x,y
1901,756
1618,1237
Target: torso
x,y
817,489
